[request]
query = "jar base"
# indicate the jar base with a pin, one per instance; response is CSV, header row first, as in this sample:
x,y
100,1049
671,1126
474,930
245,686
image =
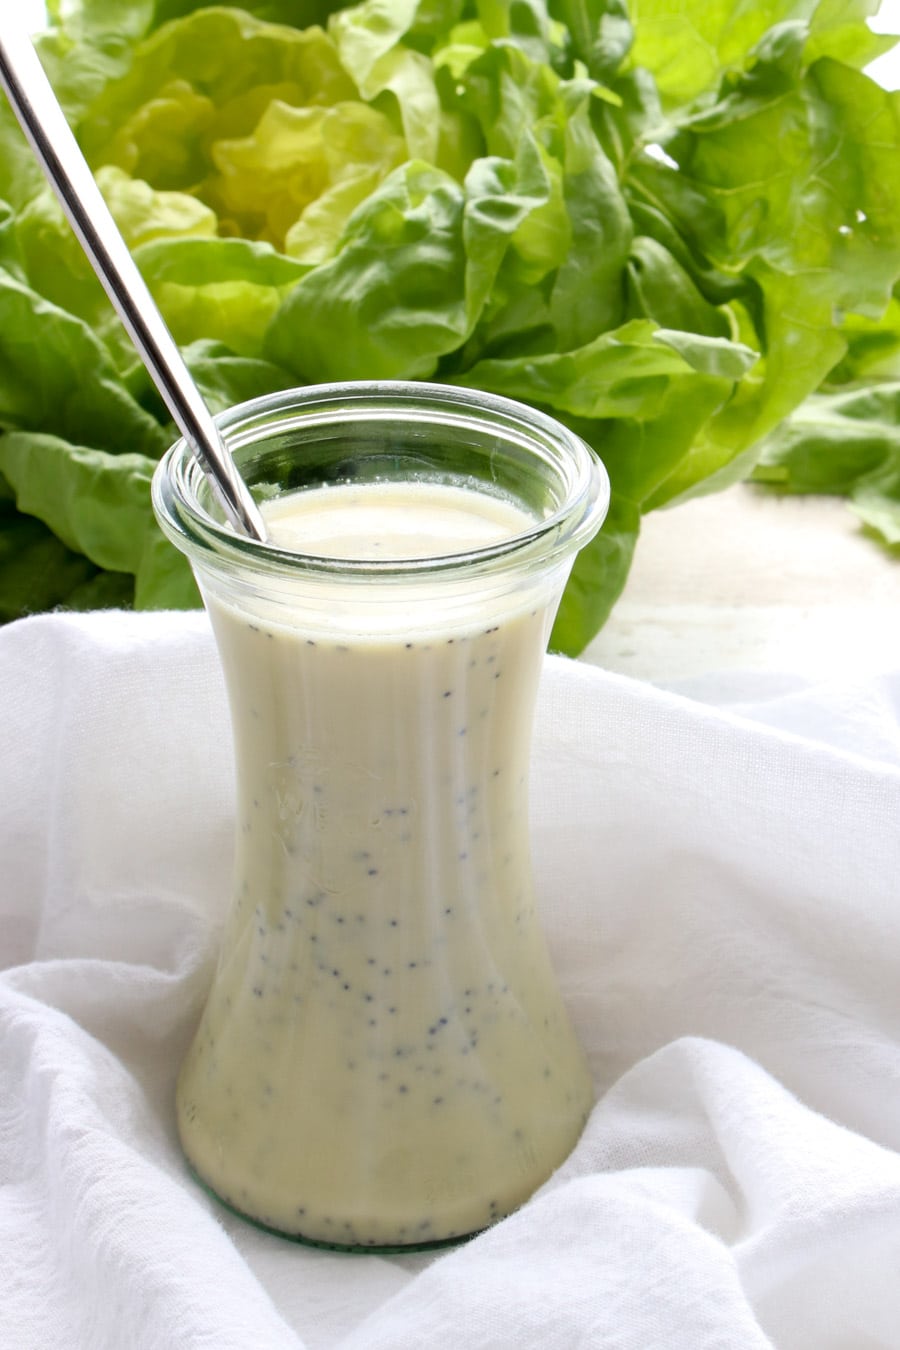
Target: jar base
x,y
350,1248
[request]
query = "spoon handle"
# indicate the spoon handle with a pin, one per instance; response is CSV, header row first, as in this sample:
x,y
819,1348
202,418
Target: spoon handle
x,y
35,105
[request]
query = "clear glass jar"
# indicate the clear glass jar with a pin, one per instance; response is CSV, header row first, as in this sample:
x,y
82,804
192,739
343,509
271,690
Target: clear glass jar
x,y
384,1060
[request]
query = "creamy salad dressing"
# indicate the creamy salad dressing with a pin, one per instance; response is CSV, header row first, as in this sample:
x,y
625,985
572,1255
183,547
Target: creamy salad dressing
x,y
384,1058
391,520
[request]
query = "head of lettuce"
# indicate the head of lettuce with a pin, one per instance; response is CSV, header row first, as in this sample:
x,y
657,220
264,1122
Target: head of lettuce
x,y
667,232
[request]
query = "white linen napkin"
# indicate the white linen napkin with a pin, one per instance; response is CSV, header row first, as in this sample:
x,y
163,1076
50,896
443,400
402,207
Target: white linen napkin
x,y
721,889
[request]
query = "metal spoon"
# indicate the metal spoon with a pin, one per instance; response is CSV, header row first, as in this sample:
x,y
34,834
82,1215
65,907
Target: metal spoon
x,y
35,105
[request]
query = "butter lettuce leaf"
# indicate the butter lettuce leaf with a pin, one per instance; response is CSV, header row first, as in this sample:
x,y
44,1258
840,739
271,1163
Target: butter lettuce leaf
x,y
225,378
845,443
598,577
93,501
798,168
414,273
231,288
675,226
37,571
57,376
688,47
96,506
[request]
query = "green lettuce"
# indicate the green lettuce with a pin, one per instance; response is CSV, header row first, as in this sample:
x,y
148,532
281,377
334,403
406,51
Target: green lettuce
x,y
676,230
845,444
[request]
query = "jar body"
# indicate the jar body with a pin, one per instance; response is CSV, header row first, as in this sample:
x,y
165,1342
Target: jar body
x,y
384,1059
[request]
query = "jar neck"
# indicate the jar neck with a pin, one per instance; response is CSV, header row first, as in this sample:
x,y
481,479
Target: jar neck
x,y
390,433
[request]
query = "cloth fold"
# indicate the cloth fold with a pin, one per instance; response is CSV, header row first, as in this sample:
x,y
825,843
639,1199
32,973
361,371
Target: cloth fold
x,y
717,867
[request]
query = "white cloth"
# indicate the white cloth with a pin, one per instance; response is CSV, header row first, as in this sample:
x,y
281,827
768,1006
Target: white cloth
x,y
721,890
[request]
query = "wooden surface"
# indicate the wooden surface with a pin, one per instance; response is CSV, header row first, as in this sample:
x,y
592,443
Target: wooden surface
x,y
746,580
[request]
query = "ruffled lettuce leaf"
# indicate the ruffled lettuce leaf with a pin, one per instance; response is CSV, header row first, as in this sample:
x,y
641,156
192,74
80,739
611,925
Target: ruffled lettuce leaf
x,y
688,47
55,264
845,443
415,270
798,171
57,376
78,450
38,572
668,227
873,348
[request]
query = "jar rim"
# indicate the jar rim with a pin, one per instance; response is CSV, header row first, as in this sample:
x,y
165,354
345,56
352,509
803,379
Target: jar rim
x,y
179,482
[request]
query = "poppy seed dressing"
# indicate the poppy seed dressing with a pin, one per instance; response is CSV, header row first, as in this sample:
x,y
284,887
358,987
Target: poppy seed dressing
x,y
384,1058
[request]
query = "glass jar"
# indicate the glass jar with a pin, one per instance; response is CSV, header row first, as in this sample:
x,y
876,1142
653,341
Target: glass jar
x,y
384,1060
